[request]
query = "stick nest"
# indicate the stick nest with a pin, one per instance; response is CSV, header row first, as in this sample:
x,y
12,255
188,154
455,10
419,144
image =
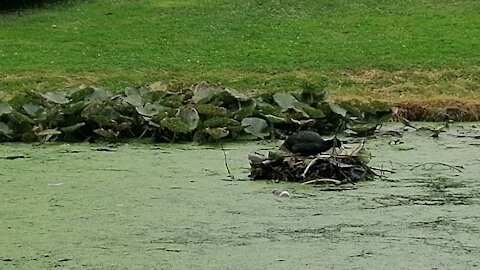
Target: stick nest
x,y
338,167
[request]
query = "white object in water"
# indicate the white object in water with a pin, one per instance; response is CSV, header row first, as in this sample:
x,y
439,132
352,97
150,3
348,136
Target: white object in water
x,y
281,193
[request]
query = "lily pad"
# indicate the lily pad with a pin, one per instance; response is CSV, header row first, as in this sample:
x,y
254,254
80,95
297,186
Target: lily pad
x,y
81,94
101,114
150,109
175,124
5,108
308,111
210,109
17,117
57,98
5,129
363,129
338,110
258,127
245,112
33,110
217,133
133,97
98,94
203,93
219,121
275,119
236,95
284,100
189,116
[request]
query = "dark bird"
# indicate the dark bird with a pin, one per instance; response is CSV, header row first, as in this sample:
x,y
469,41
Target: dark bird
x,y
307,143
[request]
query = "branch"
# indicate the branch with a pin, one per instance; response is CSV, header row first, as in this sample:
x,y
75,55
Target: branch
x,y
457,168
322,180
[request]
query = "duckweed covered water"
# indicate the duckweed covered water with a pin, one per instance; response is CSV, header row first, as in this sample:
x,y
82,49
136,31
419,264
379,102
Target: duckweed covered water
x,y
141,206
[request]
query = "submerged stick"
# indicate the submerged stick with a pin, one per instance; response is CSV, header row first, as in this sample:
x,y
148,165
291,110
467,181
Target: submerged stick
x,y
382,170
323,180
226,163
457,168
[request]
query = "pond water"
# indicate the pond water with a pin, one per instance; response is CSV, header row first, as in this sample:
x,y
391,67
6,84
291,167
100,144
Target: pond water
x,y
143,206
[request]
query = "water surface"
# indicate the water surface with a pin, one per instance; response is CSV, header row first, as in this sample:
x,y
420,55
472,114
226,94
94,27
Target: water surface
x,y
141,206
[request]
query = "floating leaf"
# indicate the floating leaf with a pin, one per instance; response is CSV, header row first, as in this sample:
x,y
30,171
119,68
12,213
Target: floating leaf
x,y
5,108
56,98
275,119
154,96
150,109
338,110
203,93
236,95
256,126
175,124
33,110
217,133
5,129
363,129
189,116
210,109
284,100
101,114
267,108
17,117
81,94
75,108
245,112
219,122
133,97
308,111
98,94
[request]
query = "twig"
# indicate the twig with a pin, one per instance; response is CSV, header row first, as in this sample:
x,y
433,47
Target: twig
x,y
322,180
226,163
143,133
359,147
346,176
457,168
382,170
310,164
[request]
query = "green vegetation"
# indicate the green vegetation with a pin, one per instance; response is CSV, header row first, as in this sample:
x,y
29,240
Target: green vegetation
x,y
390,50
203,113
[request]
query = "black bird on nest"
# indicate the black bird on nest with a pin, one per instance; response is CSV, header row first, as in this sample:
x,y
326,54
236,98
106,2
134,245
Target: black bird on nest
x,y
307,143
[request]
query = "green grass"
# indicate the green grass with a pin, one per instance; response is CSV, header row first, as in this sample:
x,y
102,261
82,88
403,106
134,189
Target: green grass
x,y
261,45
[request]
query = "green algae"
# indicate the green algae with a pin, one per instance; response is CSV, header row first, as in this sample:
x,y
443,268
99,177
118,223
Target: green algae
x,y
143,206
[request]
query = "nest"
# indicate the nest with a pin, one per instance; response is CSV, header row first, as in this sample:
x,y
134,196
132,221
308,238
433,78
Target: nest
x,y
338,167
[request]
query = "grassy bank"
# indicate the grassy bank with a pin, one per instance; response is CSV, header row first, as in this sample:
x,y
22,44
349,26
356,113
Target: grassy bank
x,y
396,51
